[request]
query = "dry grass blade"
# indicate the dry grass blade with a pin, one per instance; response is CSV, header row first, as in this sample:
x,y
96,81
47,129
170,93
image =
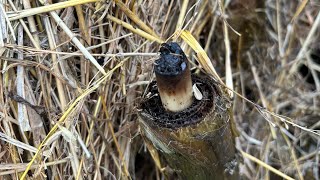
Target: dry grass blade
x,y
229,81
67,112
6,18
126,172
135,18
201,54
77,42
299,9
3,32
47,8
306,43
263,164
182,14
135,30
22,109
19,144
14,168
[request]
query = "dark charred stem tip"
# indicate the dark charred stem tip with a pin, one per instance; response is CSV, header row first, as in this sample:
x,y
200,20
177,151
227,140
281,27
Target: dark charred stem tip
x,y
172,61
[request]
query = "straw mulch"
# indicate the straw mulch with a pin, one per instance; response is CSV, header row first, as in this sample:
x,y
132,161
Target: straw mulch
x,y
73,74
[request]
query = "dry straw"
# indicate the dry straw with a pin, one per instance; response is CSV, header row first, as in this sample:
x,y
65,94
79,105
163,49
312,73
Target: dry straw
x,y
72,73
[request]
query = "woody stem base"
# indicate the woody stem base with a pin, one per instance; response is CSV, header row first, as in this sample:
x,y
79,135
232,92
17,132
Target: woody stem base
x,y
198,142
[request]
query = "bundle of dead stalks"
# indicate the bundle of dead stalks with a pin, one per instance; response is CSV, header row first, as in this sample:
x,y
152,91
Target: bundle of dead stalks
x,y
73,72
